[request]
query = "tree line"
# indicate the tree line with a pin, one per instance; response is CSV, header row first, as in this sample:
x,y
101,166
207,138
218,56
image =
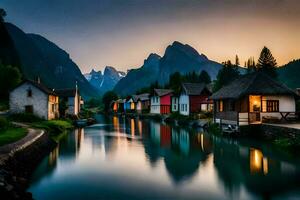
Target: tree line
x,y
228,73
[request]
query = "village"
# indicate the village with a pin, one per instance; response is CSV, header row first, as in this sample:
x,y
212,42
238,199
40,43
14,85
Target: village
x,y
253,99
168,100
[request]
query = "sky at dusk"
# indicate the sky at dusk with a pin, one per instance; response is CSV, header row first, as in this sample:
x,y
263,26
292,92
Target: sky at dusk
x,y
122,33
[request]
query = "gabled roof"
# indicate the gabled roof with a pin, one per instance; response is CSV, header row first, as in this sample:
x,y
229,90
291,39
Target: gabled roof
x,y
256,83
68,92
162,92
143,97
194,88
134,98
39,86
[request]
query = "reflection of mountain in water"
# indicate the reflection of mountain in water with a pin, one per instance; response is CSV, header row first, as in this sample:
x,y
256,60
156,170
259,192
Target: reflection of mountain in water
x,y
68,147
180,150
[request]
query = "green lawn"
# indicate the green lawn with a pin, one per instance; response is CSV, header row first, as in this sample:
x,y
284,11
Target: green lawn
x,y
11,134
54,126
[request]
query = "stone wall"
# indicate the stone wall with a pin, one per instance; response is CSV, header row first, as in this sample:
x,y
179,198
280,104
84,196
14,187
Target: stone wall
x,y
16,170
269,132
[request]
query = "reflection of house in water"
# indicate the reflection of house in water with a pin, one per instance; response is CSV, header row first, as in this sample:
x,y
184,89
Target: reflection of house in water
x,y
239,166
155,132
181,159
165,135
258,163
116,123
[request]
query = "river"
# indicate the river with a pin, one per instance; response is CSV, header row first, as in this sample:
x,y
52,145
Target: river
x,y
123,158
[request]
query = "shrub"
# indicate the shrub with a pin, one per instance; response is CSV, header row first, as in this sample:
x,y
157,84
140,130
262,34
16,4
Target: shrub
x,y
54,127
214,129
24,117
4,123
3,105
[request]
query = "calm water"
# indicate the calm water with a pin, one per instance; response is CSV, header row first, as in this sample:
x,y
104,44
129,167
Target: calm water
x,y
134,159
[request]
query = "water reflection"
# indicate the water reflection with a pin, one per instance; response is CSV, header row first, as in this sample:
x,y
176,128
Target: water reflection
x,y
163,162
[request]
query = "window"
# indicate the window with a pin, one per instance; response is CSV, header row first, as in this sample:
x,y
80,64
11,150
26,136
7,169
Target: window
x,y
29,92
29,109
272,105
220,106
53,108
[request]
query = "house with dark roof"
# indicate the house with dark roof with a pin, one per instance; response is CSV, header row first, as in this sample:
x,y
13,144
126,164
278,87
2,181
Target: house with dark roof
x,y
35,98
194,98
118,105
251,99
72,100
143,102
160,101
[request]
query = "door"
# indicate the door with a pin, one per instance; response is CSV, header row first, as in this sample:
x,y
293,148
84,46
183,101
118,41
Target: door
x,y
29,109
254,108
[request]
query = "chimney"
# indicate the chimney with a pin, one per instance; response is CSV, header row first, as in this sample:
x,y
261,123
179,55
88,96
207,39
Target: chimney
x,y
38,80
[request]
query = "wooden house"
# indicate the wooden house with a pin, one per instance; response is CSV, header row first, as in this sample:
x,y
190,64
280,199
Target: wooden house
x,y
175,103
160,101
252,99
127,104
194,98
71,99
35,98
143,102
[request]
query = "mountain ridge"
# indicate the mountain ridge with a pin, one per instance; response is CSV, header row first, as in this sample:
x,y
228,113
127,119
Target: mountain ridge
x,y
177,57
42,58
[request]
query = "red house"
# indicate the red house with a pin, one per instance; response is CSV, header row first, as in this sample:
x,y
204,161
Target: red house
x,y
160,101
194,98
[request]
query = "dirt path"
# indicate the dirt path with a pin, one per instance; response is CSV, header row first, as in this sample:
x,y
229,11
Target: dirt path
x,y
9,150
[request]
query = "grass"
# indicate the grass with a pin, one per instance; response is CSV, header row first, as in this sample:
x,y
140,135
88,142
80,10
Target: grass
x,y
24,117
54,127
11,134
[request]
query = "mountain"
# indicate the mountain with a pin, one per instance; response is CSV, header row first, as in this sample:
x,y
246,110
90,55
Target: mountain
x,y
42,58
177,57
8,52
141,77
106,81
289,74
184,59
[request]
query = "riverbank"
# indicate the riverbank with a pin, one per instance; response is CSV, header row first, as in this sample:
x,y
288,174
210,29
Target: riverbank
x,y
19,159
201,120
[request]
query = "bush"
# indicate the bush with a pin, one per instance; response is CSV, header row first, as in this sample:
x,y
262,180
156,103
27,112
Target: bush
x,y
54,127
4,123
157,117
214,129
4,105
25,117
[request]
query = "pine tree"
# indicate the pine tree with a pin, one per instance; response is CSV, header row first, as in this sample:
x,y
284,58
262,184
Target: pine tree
x,y
204,77
237,60
251,65
226,75
267,63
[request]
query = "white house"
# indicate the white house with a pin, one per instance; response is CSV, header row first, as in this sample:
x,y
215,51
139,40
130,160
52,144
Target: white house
x,y
194,98
34,97
160,101
71,97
